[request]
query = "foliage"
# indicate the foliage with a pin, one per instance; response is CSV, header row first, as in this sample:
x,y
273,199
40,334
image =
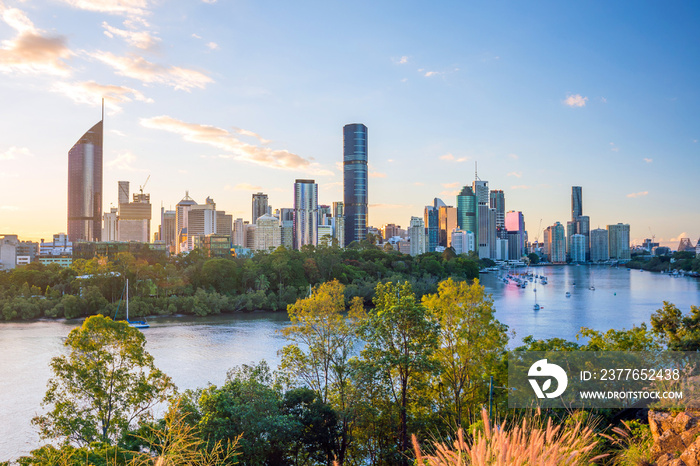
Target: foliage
x,y
471,343
103,386
401,338
632,442
676,331
520,445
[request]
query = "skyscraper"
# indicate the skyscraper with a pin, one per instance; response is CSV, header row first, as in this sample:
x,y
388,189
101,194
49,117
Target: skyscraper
x,y
497,201
619,241
85,187
305,213
515,222
259,206
466,211
599,245
416,233
355,181
431,220
576,202
448,222
182,210
558,243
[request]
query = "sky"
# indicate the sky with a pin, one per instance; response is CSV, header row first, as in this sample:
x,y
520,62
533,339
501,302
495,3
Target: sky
x,y
224,98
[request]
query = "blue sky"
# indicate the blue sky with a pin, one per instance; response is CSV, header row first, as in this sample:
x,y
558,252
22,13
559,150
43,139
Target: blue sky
x,y
226,98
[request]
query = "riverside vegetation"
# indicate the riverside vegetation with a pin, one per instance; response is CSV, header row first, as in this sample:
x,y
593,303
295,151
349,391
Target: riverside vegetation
x,y
403,380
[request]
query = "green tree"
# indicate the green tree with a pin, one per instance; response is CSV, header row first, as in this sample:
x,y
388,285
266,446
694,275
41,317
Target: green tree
x,y
471,343
103,386
677,331
400,340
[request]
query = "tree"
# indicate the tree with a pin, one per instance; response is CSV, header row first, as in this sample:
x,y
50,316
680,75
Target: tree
x,y
400,340
676,331
322,340
471,342
103,386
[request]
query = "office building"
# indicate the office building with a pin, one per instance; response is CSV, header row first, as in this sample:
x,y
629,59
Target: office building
x,y
431,220
167,228
466,210
239,233
8,251
259,206
515,221
577,253
515,242
463,242
390,230
122,192
305,213
85,187
448,222
481,190
224,223
201,220
619,241
482,235
355,182
497,200
182,210
109,224
416,234
268,234
599,245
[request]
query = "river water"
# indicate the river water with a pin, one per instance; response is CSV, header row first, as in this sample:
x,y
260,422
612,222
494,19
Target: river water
x,y
198,351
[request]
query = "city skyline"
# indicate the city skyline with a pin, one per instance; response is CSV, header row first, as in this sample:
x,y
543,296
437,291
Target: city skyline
x,y
606,101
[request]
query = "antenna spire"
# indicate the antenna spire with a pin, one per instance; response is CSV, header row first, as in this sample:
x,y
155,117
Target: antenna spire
x,y
103,109
476,176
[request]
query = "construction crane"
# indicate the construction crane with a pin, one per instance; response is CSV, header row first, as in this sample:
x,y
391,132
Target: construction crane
x,y
653,236
539,230
144,184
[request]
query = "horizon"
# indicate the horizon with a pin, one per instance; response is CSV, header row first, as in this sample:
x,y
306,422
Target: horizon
x,y
200,97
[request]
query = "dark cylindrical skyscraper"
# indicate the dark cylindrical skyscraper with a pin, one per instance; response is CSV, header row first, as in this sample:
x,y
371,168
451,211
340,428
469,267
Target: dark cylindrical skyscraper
x,y
85,187
355,181
576,202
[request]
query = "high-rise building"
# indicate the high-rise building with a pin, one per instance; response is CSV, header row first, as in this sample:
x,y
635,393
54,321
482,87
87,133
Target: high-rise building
x,y
558,243
305,213
390,230
448,222
134,222
201,220
466,211
85,187
268,234
431,220
463,241
355,182
583,227
182,210
515,249
599,245
109,225
570,232
481,190
416,233
224,223
497,201
259,206
515,221
123,192
239,234
576,202
338,209
484,247
619,241
577,251
168,228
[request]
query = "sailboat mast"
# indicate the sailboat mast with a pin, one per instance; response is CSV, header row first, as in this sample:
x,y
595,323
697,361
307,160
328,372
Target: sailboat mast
x,y
127,300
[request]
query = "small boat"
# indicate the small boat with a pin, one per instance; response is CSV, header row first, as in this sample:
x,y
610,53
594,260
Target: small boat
x,y
568,294
592,288
536,307
133,323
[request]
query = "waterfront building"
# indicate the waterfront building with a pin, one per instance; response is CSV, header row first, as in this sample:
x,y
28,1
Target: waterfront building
x,y
570,232
619,241
558,243
648,244
416,234
463,241
109,224
85,187
355,182
501,249
599,245
466,210
515,249
268,234
578,248
497,200
583,228
305,213
239,233
259,206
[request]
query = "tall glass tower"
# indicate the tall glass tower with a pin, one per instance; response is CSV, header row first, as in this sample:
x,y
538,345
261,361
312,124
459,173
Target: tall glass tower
x,y
355,181
85,187
576,202
305,213
466,211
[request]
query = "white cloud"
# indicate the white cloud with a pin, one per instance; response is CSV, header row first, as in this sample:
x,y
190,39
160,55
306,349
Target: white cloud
x,y
447,157
401,60
140,39
449,193
245,132
429,74
196,36
213,45
31,51
521,186
451,158
513,156
639,194
91,93
419,183
515,174
576,100
137,67
124,162
647,160
15,152
450,185
11,208
239,150
377,175
115,7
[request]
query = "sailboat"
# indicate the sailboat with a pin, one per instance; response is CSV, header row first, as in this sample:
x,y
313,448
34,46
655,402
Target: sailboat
x,y
592,288
133,323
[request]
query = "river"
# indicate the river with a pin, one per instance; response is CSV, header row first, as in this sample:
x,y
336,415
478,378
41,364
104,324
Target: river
x,y
198,351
